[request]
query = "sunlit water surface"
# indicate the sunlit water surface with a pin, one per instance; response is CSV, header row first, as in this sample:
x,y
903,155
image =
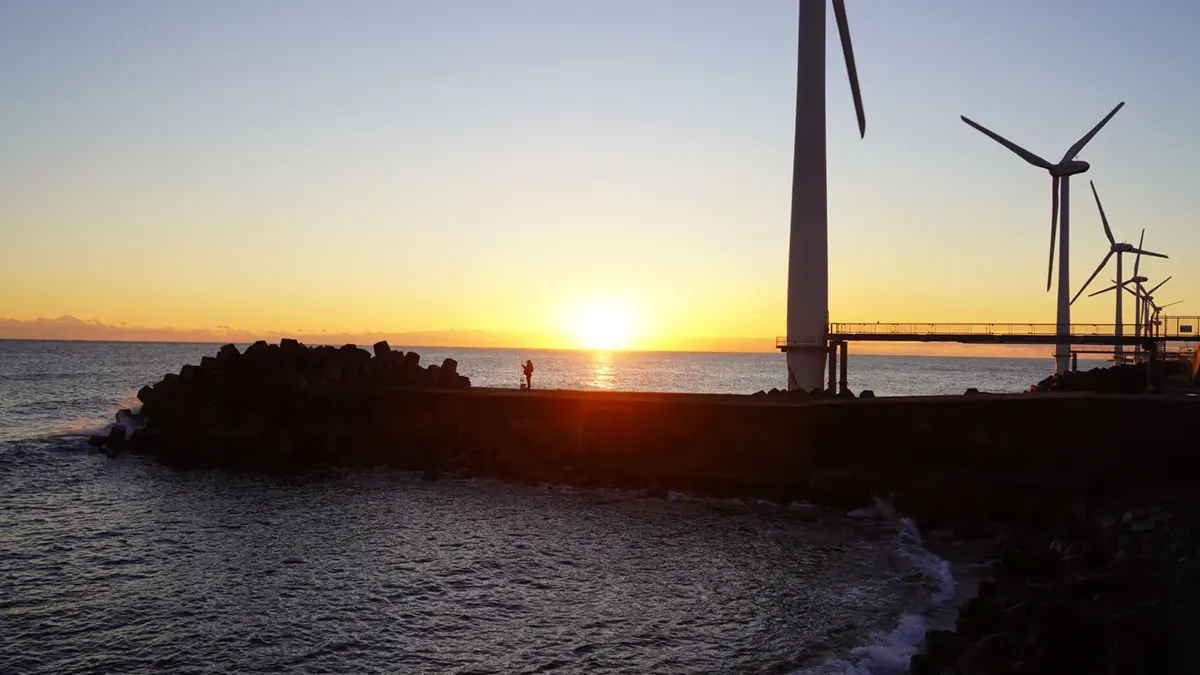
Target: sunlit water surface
x,y
123,566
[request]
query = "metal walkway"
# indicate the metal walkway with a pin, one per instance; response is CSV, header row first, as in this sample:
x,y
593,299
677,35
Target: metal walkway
x,y
1175,329
1170,329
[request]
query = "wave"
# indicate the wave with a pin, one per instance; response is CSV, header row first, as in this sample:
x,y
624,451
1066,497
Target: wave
x,y
886,652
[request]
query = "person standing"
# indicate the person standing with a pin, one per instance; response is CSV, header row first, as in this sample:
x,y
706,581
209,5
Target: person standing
x,y
528,370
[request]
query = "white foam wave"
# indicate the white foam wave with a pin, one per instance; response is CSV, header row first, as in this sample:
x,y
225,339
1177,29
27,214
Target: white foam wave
x,y
889,652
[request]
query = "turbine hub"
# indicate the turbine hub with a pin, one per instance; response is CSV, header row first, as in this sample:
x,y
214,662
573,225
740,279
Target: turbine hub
x,y
1069,168
1122,248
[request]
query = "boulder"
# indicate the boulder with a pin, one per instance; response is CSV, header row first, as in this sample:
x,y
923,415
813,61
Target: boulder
x,y
272,405
383,350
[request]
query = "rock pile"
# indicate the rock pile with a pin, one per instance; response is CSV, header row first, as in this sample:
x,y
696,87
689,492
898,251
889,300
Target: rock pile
x,y
1104,597
273,402
801,395
1124,379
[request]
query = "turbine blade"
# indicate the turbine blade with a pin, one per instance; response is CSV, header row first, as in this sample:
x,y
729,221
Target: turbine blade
x,y
1091,134
1102,291
839,12
1053,230
1089,281
1152,254
1169,304
1138,258
1103,219
1151,291
1020,152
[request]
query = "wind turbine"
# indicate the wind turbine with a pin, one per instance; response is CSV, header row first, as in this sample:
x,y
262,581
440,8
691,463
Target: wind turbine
x,y
1141,296
1060,189
1118,249
808,247
1156,322
1148,303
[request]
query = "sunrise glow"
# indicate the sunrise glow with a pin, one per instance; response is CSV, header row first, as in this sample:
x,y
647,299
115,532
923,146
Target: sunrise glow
x,y
602,327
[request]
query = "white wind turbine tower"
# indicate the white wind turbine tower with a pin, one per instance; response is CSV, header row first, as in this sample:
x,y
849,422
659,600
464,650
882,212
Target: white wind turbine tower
x,y
1118,249
808,248
1060,188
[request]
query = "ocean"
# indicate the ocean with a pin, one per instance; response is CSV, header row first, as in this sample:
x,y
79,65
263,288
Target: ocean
x,y
119,565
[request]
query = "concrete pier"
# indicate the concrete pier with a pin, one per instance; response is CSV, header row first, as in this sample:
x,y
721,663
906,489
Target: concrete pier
x,y
980,456
973,458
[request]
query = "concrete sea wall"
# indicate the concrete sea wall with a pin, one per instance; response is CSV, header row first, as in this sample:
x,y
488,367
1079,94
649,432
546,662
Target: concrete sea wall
x,y
963,453
946,460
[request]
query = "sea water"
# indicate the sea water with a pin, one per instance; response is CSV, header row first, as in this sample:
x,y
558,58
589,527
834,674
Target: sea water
x,y
121,565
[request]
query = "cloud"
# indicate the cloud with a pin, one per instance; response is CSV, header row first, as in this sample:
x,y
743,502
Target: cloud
x,y
72,328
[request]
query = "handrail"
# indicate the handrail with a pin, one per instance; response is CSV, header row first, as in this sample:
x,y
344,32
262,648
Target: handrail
x,y
1175,327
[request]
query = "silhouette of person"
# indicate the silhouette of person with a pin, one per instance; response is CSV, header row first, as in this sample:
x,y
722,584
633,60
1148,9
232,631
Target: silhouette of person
x,y
528,370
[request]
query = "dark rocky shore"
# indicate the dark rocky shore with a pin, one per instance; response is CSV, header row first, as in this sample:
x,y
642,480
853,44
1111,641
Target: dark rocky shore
x,y
1095,550
272,407
1113,593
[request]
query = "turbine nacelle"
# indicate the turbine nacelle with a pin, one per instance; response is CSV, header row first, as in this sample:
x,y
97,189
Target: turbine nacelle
x,y
1070,168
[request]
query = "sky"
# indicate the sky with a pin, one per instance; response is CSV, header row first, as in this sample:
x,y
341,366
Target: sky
x,y
523,168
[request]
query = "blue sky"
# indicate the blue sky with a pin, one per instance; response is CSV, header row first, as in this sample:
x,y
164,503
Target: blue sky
x,y
481,165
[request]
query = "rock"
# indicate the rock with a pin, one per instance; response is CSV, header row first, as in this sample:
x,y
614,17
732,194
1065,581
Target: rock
x,y
866,393
97,441
383,350
276,405
116,438
972,390
997,648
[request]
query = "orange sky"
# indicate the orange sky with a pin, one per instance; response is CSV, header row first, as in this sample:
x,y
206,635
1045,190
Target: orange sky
x,y
71,328
560,174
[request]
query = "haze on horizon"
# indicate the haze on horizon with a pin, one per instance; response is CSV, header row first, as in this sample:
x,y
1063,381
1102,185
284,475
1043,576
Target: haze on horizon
x,y
586,172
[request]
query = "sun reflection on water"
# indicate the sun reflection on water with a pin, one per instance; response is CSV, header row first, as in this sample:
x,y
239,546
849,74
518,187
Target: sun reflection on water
x,y
604,371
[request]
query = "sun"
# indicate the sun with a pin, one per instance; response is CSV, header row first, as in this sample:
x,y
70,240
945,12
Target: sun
x,y
603,327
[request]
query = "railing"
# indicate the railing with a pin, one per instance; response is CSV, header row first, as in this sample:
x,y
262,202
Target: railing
x,y
972,329
1174,327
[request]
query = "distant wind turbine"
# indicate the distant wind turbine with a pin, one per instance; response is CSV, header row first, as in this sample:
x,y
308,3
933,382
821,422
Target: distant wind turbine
x,y
1141,296
1148,303
808,247
1118,249
1156,322
1060,187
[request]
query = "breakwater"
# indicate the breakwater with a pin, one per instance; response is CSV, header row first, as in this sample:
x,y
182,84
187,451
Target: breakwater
x,y
950,460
